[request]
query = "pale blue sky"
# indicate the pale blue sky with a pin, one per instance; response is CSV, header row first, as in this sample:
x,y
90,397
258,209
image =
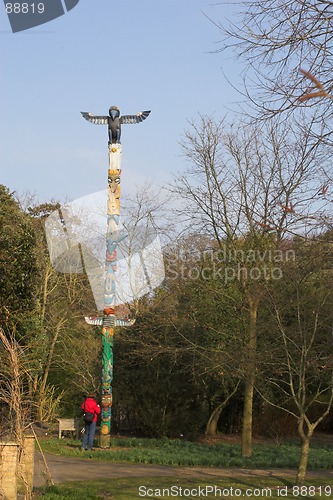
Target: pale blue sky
x,y
138,55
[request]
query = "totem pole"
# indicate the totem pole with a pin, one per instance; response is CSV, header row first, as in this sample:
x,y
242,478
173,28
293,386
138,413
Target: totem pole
x,y
109,319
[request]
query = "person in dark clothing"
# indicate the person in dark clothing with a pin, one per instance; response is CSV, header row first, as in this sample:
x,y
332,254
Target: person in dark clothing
x,y
91,410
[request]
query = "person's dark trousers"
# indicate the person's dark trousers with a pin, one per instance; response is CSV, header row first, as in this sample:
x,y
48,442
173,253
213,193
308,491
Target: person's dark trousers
x,y
88,436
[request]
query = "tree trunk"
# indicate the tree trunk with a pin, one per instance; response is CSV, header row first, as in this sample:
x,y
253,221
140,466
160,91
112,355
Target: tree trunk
x,y
305,438
211,427
60,324
250,368
41,389
247,416
303,464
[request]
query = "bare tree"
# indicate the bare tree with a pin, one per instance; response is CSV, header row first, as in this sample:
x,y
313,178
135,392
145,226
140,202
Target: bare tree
x,y
275,40
11,389
250,188
14,397
148,223
301,375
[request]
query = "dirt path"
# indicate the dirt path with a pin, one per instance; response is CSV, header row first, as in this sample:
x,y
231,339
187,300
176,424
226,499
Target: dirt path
x,y
76,469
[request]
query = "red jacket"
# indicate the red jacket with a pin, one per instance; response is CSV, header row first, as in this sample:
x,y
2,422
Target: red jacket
x,y
91,406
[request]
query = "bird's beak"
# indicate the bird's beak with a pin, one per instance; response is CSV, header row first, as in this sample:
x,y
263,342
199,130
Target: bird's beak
x,y
114,114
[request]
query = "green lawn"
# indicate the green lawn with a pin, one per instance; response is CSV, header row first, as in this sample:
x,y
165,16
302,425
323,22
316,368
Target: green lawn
x,y
175,452
190,488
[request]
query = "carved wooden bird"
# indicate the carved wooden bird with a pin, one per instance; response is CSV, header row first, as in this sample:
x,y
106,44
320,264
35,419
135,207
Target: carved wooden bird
x,y
114,121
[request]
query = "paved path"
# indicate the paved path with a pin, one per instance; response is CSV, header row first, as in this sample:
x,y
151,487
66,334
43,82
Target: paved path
x,y
77,469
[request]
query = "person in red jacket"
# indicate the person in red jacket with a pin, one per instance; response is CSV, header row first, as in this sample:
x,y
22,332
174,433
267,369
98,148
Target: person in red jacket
x,y
91,410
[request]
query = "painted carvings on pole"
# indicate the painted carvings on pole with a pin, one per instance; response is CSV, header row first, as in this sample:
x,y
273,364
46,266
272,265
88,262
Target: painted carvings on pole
x,y
110,299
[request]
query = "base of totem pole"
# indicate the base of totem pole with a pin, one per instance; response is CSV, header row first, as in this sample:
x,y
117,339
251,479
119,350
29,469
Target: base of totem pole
x,y
104,441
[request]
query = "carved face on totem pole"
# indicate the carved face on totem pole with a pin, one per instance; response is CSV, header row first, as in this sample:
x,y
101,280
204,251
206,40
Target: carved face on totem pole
x,y
114,191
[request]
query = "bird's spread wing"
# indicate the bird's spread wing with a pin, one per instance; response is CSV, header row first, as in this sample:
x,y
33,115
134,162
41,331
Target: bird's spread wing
x,y
97,120
134,118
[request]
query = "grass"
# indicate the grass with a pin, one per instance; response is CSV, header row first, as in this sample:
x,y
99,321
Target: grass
x,y
176,452
184,453
134,488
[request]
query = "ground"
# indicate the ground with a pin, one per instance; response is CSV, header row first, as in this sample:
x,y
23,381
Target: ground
x,y
75,469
